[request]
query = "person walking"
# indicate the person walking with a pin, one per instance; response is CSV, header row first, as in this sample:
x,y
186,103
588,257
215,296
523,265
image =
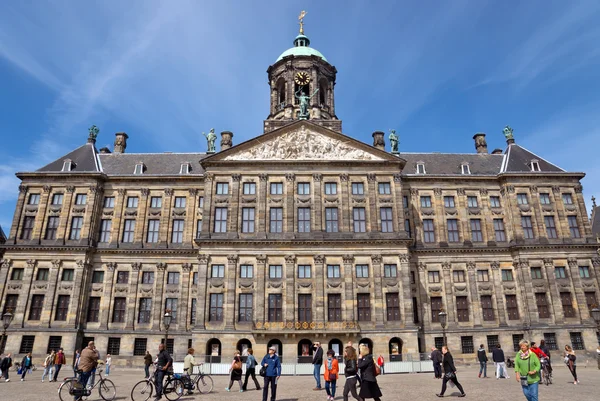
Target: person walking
x,y
147,364
49,366
108,364
5,365
381,363
87,362
58,363
26,364
235,372
449,373
570,360
369,387
330,375
273,373
317,363
436,358
351,373
76,360
483,359
527,371
163,362
498,358
251,370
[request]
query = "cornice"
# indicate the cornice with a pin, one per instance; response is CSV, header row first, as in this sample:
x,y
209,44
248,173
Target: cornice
x,y
137,251
511,248
302,242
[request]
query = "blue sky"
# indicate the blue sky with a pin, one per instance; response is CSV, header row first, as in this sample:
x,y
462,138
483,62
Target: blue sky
x,y
165,71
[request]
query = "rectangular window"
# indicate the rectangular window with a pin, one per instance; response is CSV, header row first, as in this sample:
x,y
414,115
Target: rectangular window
x,y
507,275
466,343
17,273
132,201
180,201
458,276
222,188
109,202
462,309
331,219
573,227
436,308
249,188
465,169
67,275
156,202
358,188
577,341
428,231
304,307
516,340
37,304
276,220
542,305
304,271
405,202
386,220
217,271
93,313
449,201
303,188
407,228
128,230
359,219
52,227
512,309
80,199
487,308
198,228
420,168
275,271
276,188
10,303
522,199
545,199
303,219
494,201
172,278
330,188
193,312
392,301
472,201
560,272
550,227
362,271
425,201
334,308
245,310
567,199
438,342
476,233
57,199
247,219
147,277
584,272
364,307
122,277
216,308
76,225
171,304
220,220
54,343
27,230
26,344
195,278
453,230
105,228
384,188
499,230
275,308
177,234
390,271
62,307
145,313
550,339
433,276
34,199
140,346
42,274
333,271
567,304
527,227
492,342
536,272
152,235
246,271
483,276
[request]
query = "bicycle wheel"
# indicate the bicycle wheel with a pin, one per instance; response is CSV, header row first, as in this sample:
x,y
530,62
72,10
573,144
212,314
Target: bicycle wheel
x,y
107,390
64,391
173,389
142,391
204,384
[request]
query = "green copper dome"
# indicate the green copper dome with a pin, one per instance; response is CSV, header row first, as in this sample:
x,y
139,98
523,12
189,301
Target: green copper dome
x,y
301,48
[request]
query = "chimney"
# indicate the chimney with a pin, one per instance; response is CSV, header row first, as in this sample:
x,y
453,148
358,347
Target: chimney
x,y
105,150
497,151
480,143
226,141
120,142
378,140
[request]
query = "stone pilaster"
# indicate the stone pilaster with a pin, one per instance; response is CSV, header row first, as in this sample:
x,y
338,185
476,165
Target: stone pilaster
x,y
317,210
190,222
525,287
209,209
261,205
475,302
234,206
165,217
398,201
23,300
142,213
49,298
203,261
107,295
117,227
5,265
259,293
372,210
487,218
348,313
405,293
345,206
378,304
135,277
448,292
186,303
496,282
537,213
417,221
320,314
17,219
40,218
231,278
159,296
553,291
580,303
582,219
440,226
511,211
289,212
424,296
90,218
290,288
76,294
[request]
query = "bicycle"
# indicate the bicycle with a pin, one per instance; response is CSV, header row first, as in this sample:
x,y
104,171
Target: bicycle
x,y
202,381
546,372
71,387
172,389
17,365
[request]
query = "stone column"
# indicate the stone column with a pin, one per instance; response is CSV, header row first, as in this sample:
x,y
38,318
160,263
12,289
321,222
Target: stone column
x,y
320,314
553,291
259,293
207,214
487,218
475,304
405,293
582,219
345,204
48,307
462,215
579,294
425,297
62,232
449,292
117,230
159,295
525,287
90,219
290,288
290,209
440,232
186,311
203,261
142,213
496,282
537,213
40,218
418,222
348,314
165,217
262,212
107,295
17,219
317,209
190,216
234,207
230,290
562,226
21,309
74,305
376,262
398,201
509,202
373,225
135,278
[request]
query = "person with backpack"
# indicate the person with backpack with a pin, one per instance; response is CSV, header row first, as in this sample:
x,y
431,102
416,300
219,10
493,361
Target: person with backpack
x,y
58,363
449,373
331,374
570,359
483,359
272,373
49,366
368,371
251,370
235,372
26,364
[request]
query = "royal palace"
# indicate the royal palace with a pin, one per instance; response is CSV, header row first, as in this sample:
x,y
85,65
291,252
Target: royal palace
x,y
298,235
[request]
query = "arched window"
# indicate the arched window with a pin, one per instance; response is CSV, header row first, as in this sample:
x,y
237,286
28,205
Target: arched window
x,y
368,341
337,347
305,351
395,349
322,94
243,346
213,350
281,94
278,346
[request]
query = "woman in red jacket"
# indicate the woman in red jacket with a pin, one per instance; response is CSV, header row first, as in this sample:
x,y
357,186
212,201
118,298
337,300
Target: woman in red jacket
x,y
331,374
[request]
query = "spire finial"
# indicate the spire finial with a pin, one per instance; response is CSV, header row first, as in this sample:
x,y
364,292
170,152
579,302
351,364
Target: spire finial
x,y
301,19
93,130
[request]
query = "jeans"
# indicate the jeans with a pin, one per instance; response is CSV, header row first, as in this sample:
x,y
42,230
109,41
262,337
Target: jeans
x,y
453,380
273,381
25,370
317,374
483,368
330,387
56,371
350,387
501,370
107,371
531,392
437,370
147,371
160,377
251,371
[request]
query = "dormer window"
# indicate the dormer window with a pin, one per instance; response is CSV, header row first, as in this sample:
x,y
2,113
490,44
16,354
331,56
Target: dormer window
x,y
535,165
465,168
139,169
67,165
185,168
420,168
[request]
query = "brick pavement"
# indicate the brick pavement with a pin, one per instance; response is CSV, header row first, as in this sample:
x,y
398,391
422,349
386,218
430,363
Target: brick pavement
x,y
393,386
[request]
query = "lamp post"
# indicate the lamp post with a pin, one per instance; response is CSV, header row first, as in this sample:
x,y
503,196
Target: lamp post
x,y
6,319
443,318
167,322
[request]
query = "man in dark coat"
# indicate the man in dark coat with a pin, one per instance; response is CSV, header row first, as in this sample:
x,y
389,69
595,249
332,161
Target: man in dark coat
x,y
482,357
436,358
317,363
5,364
498,358
162,365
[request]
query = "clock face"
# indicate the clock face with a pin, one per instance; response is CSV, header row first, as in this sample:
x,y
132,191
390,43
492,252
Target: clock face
x,y
302,78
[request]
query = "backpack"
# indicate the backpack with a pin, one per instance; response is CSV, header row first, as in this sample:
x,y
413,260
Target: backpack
x,y
237,365
252,361
376,369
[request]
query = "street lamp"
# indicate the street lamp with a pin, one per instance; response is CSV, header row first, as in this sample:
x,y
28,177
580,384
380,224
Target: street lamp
x,y
167,318
6,319
443,318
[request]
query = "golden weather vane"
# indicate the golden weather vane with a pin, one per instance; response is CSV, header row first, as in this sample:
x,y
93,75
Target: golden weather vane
x,y
301,19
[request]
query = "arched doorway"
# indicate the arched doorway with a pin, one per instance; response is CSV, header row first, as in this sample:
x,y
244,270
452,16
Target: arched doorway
x,y
395,349
305,351
213,350
337,347
243,346
368,341
278,347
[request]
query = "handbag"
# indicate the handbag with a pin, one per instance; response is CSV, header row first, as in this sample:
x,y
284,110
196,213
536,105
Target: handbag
x,y
263,371
524,382
20,371
237,365
376,369
450,375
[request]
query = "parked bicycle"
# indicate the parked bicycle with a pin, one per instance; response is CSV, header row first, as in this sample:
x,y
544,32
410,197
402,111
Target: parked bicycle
x,y
71,388
17,366
202,381
546,372
172,389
